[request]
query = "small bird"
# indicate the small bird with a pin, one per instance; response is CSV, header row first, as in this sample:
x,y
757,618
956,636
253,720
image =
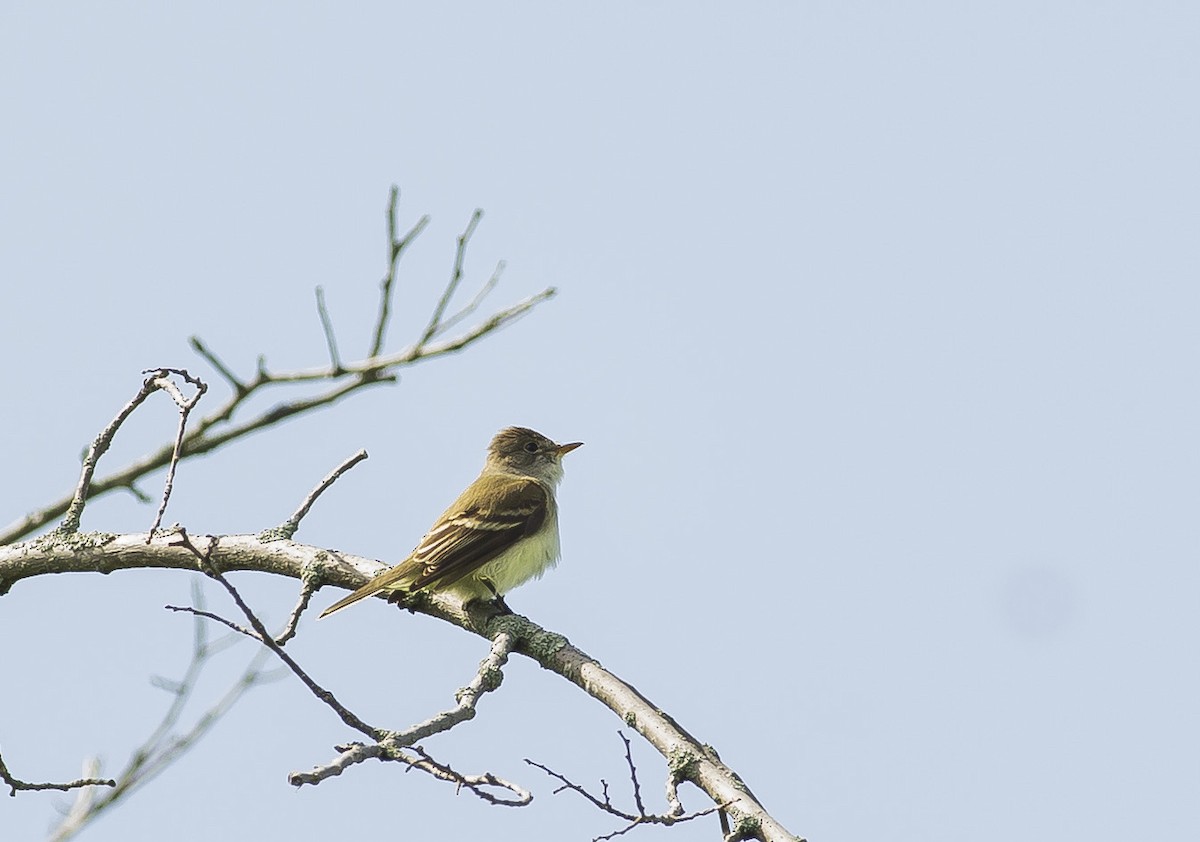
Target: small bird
x,y
501,532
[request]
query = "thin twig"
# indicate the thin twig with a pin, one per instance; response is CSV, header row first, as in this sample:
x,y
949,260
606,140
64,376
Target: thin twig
x,y
261,634
474,783
396,249
637,787
217,429
460,254
307,589
605,805
74,508
138,494
389,745
235,384
200,440
16,784
229,624
474,303
335,362
185,408
486,679
288,527
165,745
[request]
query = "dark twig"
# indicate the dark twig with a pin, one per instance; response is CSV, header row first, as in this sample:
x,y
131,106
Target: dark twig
x,y
460,254
16,784
185,408
261,634
605,805
335,362
288,528
396,249
389,745
235,384
229,624
637,787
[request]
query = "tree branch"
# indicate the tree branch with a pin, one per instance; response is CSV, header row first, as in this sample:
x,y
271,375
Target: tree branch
x,y
343,378
687,757
165,744
675,815
389,745
16,784
288,528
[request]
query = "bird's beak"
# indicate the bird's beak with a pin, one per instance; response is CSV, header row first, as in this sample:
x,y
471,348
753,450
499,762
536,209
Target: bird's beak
x,y
564,449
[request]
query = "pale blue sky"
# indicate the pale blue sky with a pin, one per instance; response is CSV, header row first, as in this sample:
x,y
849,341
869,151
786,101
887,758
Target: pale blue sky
x,y
878,320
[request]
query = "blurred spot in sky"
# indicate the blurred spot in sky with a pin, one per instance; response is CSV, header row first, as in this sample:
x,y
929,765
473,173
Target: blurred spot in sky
x,y
1038,602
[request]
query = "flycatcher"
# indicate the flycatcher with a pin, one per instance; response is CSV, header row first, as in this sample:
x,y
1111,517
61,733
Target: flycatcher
x,y
500,533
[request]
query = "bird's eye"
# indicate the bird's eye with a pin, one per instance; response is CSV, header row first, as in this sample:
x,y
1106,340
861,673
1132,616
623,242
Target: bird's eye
x,y
531,447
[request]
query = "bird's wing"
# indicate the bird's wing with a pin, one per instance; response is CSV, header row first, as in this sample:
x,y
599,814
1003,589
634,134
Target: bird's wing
x,y
466,537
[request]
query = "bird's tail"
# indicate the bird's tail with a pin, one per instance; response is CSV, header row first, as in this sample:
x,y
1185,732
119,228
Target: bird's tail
x,y
394,579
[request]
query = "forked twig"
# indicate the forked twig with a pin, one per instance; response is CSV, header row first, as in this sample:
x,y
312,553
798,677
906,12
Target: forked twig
x,y
388,745
396,249
258,631
460,256
165,745
675,815
213,431
185,408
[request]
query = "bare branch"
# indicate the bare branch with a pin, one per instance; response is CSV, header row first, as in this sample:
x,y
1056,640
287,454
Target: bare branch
x,y
604,804
687,757
487,678
308,587
208,615
185,407
389,745
74,508
474,783
235,385
138,494
259,632
396,249
637,788
460,254
335,362
474,303
217,429
288,528
165,744
355,753
16,784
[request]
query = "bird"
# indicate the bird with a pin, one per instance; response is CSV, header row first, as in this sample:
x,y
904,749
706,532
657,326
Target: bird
x,y
501,532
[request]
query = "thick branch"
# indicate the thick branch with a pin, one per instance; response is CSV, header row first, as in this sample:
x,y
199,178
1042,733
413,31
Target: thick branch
x,y
687,758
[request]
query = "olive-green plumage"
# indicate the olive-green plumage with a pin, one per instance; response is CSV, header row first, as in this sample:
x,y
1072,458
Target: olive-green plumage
x,y
501,532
